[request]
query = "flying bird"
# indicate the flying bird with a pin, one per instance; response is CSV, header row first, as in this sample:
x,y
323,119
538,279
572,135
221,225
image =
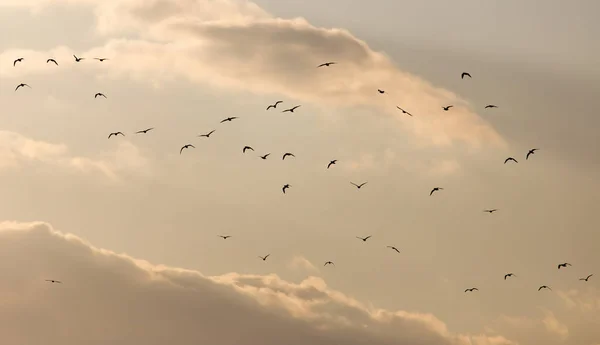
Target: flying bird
x,y
491,211
380,91
22,85
509,275
358,185
544,287
291,110
52,60
329,263
247,148
207,134
54,281
17,60
331,163
394,248
274,106
100,59
532,151
224,237
115,134
364,239
229,119
78,59
491,106
446,108
99,94
472,289
564,265
185,147
265,156
326,64
404,111
287,154
435,190
510,159
145,130
586,278
264,258
465,74
286,186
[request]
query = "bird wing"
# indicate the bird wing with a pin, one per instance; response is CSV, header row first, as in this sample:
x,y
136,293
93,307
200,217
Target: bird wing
x,y
110,135
211,132
296,107
433,190
278,102
362,184
588,277
366,238
352,183
269,107
224,120
183,147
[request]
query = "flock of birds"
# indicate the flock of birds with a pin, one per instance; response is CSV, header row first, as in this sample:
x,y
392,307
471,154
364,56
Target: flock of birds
x,y
289,154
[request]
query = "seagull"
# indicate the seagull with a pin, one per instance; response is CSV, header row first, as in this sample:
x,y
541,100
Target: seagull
x,y
229,119
380,91
394,248
265,156
404,111
291,110
287,154
491,106
264,258
185,147
331,163
54,281
99,94
207,134
532,151
509,275
446,108
22,85
364,239
586,278
247,148
274,105
144,131
510,159
100,59
115,134
462,76
358,185
286,186
17,60
564,265
52,60
329,263
326,64
77,59
435,190
544,287
224,237
471,290
491,211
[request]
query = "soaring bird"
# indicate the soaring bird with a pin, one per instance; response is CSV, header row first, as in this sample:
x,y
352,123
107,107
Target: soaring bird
x,y
491,211
471,290
291,110
22,85
285,186
358,185
185,147
229,119
78,59
265,156
532,151
394,248
435,190
224,237
462,76
145,130
247,148
586,278
364,239
544,287
17,60
446,108
564,265
404,111
491,106
274,106
207,134
54,281
509,275
331,163
326,64
99,94
115,134
100,59
287,154
264,258
329,263
510,159
380,91
52,60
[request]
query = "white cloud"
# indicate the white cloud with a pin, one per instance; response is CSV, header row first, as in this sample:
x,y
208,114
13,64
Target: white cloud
x,y
554,326
302,263
111,298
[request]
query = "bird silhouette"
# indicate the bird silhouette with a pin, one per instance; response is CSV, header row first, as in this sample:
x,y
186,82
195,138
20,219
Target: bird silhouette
x,y
586,278
465,74
329,263
510,159
491,106
394,248
22,85
564,265
491,211
544,287
326,64
17,60
291,110
115,134
404,111
224,237
78,59
274,106
54,281
207,134
100,59
435,190
530,152
264,258
285,186
359,186
145,130
331,163
287,154
185,147
265,156
472,289
229,119
99,94
446,108
509,275
52,60
380,91
247,148
364,239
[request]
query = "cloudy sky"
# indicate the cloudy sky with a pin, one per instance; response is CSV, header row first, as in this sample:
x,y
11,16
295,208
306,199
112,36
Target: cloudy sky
x,y
130,225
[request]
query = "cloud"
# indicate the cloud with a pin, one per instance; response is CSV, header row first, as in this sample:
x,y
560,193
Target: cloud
x,y
236,44
301,263
554,326
113,298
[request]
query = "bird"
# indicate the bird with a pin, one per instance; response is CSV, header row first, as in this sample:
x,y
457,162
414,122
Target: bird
x,y
491,106
52,60
358,185
472,289
380,91
115,134
435,190
394,248
185,147
509,275
510,159
331,163
247,148
17,60
264,258
265,156
491,211
287,154
586,278
229,119
285,186
329,263
78,59
544,287
326,64
100,59
224,237
22,85
564,265
145,130
530,152
446,108
291,110
364,239
99,94
404,111
207,134
465,74
274,106
54,281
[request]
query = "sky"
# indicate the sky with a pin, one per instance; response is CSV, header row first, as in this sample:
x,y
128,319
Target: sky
x,y
130,226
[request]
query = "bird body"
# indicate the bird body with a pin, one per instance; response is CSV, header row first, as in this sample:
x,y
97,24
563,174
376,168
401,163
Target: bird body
x,y
78,59
17,60
472,289
329,263
586,278
404,111
100,59
185,147
285,186
380,91
22,85
326,64
446,108
115,134
264,258
291,110
359,186
229,119
331,163
224,237
287,154
394,248
530,152
207,135
544,287
265,156
364,239
274,106
52,60
54,281
510,159
145,130
99,94
490,106
435,190
564,265
490,211
465,74
247,148
509,275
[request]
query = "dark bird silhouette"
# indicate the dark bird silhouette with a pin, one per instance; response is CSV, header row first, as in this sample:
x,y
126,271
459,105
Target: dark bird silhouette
x,y
291,110
287,154
285,186
364,239
100,59
329,263
145,130
78,59
331,163
394,248
229,119
564,265
465,74
404,111
22,85
115,134
99,94
207,134
185,147
359,186
274,106
54,281
265,156
326,64
510,159
586,278
224,237
471,290
435,190
264,258
491,106
247,148
380,91
491,211
52,60
17,60
509,275
446,108
530,152
544,287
